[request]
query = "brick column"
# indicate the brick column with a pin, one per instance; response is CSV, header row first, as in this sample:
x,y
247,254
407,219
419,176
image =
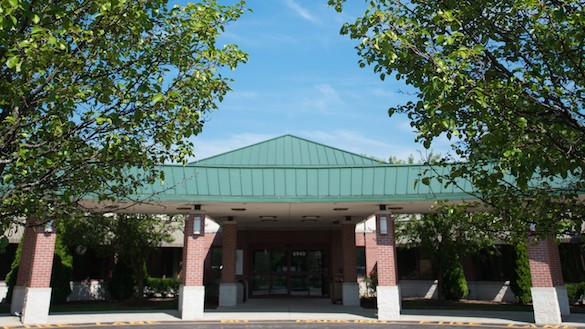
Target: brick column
x,y
388,292
350,293
195,249
549,295
228,290
32,294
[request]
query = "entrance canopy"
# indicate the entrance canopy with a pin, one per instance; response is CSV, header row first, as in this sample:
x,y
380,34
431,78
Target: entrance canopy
x,y
292,182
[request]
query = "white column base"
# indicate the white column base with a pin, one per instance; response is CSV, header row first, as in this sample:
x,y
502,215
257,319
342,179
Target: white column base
x,y
563,300
17,302
36,306
389,304
350,294
191,302
545,303
228,294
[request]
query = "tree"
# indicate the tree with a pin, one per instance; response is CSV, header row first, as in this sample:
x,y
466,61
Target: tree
x,y
90,89
444,237
130,238
522,279
505,82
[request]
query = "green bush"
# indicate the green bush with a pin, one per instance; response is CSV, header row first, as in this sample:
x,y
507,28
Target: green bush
x,y
521,279
61,273
162,286
453,282
13,274
575,291
123,283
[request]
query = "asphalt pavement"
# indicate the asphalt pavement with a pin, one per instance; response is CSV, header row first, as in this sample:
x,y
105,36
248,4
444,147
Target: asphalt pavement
x,y
305,314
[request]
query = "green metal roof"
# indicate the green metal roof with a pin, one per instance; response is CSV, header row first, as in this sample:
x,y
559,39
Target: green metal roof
x,y
292,169
288,150
375,183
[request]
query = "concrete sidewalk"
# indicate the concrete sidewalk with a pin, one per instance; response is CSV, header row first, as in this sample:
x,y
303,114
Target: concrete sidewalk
x,y
307,309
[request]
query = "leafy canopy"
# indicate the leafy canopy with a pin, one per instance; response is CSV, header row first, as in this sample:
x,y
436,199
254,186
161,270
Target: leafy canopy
x,y
505,82
90,88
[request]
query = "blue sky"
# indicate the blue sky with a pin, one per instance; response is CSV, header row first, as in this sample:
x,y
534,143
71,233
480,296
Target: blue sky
x,y
303,78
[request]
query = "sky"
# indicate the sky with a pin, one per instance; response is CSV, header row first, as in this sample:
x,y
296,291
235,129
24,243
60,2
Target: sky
x,y
303,78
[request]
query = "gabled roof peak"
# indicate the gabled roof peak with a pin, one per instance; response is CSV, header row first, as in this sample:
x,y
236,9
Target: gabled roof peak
x,y
287,150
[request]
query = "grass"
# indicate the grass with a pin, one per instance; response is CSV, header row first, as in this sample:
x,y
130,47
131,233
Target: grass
x,y
102,306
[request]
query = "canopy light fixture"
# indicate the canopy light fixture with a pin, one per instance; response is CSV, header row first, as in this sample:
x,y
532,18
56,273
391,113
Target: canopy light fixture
x,y
383,225
197,225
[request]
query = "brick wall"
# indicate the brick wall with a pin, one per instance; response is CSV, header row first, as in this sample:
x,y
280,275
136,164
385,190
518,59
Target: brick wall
x,y
36,259
545,263
195,250
228,255
386,245
348,244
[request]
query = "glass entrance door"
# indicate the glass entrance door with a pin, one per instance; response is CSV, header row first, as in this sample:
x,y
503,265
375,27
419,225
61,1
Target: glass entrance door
x,y
295,272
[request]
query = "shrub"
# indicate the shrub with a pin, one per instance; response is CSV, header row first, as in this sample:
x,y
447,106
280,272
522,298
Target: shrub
x,y
521,279
161,287
576,292
122,284
13,274
454,284
61,273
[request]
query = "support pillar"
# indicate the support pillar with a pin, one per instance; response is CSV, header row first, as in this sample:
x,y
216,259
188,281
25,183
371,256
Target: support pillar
x,y
388,291
32,294
195,248
350,290
228,290
549,295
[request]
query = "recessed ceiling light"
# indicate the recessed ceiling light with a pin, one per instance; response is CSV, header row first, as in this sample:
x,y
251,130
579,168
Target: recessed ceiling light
x,y
238,209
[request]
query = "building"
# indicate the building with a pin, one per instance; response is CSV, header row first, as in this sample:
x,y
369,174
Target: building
x,y
287,210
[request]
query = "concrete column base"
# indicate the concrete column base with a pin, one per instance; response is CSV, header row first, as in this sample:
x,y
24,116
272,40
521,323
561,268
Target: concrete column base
x,y
191,302
228,294
563,300
389,304
17,302
545,303
36,306
350,294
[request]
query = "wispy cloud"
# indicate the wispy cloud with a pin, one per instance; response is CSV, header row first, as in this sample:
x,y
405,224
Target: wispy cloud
x,y
299,10
323,98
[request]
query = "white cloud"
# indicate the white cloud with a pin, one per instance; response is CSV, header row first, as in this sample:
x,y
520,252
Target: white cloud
x,y
299,10
325,100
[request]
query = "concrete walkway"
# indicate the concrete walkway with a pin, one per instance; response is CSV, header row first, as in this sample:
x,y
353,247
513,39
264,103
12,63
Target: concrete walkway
x,y
297,309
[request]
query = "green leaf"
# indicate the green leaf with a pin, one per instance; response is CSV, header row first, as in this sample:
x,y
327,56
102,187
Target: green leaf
x,y
12,62
157,98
